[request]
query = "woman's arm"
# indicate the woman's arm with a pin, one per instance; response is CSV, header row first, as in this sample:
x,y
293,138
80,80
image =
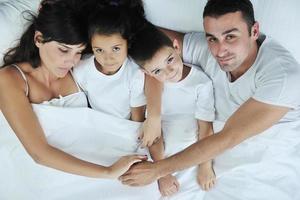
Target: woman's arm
x,y
18,111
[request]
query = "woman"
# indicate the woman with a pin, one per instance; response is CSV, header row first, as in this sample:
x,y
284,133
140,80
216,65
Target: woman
x,y
37,71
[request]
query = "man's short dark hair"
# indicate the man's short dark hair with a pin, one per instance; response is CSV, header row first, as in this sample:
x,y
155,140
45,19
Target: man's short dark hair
x,y
217,8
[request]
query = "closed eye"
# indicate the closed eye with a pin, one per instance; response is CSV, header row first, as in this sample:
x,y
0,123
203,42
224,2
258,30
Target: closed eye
x,y
63,50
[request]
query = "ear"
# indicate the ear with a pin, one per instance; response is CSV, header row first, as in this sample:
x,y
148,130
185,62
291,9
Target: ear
x,y
38,38
144,71
176,46
255,30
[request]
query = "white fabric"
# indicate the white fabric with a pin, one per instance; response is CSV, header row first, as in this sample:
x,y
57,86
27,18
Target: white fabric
x,y
192,97
77,99
273,78
179,132
182,104
82,132
266,166
13,22
279,19
112,94
249,171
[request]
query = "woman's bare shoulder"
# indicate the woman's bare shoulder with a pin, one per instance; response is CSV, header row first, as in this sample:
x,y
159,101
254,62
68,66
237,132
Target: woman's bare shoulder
x,y
11,78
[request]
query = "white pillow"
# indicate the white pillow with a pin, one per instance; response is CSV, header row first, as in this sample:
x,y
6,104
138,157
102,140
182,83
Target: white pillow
x,y
279,19
12,22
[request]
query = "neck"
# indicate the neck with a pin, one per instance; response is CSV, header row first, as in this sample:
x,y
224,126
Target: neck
x,y
46,76
102,70
185,72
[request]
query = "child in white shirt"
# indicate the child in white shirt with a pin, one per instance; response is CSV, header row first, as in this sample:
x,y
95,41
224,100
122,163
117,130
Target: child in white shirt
x,y
187,92
113,83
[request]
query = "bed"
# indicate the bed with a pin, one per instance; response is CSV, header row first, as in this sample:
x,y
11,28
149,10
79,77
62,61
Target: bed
x,y
102,143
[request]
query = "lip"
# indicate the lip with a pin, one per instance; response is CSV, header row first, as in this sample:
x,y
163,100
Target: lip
x,y
64,68
226,59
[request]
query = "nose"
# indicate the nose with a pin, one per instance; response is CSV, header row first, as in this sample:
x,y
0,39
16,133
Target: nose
x,y
72,59
107,57
222,50
169,70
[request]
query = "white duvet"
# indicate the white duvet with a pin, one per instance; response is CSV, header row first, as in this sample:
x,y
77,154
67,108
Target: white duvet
x,y
89,135
262,168
81,132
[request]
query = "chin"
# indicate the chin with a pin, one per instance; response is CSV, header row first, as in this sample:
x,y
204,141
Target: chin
x,y
226,68
61,75
175,80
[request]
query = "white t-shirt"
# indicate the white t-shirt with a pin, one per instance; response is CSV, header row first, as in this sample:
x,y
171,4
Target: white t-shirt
x,y
112,94
191,97
274,78
183,103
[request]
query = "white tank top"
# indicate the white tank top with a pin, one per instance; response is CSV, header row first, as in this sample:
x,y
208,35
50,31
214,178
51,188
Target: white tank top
x,y
77,99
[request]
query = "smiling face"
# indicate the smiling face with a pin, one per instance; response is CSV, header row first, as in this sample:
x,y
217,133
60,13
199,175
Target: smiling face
x,y
110,52
57,57
165,66
229,41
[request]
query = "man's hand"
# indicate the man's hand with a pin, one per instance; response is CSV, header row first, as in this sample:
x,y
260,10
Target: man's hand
x,y
140,174
151,132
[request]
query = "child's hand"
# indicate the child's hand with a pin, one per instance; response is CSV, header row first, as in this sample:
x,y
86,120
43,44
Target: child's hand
x,y
168,185
206,176
123,165
151,132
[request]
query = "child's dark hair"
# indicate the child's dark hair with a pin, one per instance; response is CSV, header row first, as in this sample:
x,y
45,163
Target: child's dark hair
x,y
57,21
146,43
217,8
125,17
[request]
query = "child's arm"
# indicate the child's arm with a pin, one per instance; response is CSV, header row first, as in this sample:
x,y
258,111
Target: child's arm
x,y
138,113
206,176
151,131
168,185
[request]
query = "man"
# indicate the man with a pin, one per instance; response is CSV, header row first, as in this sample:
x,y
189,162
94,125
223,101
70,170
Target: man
x,y
257,99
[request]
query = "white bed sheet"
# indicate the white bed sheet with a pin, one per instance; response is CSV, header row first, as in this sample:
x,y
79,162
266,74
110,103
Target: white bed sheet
x,y
81,132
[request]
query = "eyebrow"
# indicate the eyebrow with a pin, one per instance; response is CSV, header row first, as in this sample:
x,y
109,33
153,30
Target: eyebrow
x,y
65,46
168,57
224,33
83,46
117,45
111,46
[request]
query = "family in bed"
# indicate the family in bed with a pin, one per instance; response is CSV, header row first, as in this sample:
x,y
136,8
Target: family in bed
x,y
106,55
